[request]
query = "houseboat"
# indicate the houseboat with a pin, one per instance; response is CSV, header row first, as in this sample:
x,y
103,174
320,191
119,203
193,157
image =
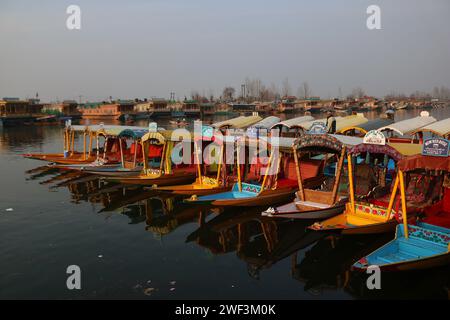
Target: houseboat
x,y
119,110
16,111
160,108
143,110
243,108
207,109
287,105
68,109
313,105
191,108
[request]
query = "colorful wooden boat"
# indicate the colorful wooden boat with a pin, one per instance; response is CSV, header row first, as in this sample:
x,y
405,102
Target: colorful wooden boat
x,y
130,157
206,183
440,129
421,245
109,151
165,174
278,180
317,204
404,131
376,210
362,129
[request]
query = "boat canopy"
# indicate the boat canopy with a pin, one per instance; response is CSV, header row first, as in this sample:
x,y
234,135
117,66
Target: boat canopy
x,y
440,128
293,123
425,163
266,123
318,142
157,137
408,126
350,121
396,151
241,122
369,125
279,142
135,134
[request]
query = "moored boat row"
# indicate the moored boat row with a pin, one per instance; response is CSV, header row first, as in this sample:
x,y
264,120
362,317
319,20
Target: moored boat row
x,y
353,176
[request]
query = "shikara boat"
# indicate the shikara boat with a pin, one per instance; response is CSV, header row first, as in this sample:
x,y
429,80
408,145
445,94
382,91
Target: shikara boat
x,y
159,146
278,177
69,153
341,122
376,210
109,151
362,129
403,131
131,157
114,150
292,127
211,176
420,245
440,129
311,203
241,122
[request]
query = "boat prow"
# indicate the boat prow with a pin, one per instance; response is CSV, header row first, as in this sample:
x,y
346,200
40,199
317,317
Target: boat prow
x,y
427,246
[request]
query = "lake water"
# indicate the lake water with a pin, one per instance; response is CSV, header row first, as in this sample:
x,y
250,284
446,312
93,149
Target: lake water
x,y
136,244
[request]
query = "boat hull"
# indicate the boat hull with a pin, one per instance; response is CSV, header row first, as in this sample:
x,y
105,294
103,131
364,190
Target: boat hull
x,y
163,180
265,198
189,190
291,211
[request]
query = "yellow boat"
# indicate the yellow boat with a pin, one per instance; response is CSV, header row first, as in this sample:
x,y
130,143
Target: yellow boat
x,y
205,183
374,212
160,145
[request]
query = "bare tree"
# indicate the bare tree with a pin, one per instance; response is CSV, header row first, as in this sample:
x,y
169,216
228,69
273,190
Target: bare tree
x,y
358,93
285,88
304,91
228,93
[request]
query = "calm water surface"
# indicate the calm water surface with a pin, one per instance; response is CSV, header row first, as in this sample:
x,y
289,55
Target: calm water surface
x,y
132,243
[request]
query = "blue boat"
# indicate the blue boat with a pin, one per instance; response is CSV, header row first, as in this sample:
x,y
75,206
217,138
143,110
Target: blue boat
x,y
420,245
426,246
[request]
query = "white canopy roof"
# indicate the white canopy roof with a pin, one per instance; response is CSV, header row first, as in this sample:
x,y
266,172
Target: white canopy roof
x,y
408,126
440,128
294,122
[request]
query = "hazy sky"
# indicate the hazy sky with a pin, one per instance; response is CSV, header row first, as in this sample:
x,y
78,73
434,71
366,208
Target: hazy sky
x,y
140,48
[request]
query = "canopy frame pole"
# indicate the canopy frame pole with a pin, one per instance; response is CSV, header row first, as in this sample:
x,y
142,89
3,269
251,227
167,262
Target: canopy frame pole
x,y
197,157
84,146
136,145
98,151
301,191
219,167
238,168
65,139
163,158
278,169
144,156
337,178
392,199
90,144
350,182
106,146
72,149
403,196
121,151
267,170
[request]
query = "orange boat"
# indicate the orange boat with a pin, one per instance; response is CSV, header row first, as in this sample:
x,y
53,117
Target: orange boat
x,y
158,169
267,184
